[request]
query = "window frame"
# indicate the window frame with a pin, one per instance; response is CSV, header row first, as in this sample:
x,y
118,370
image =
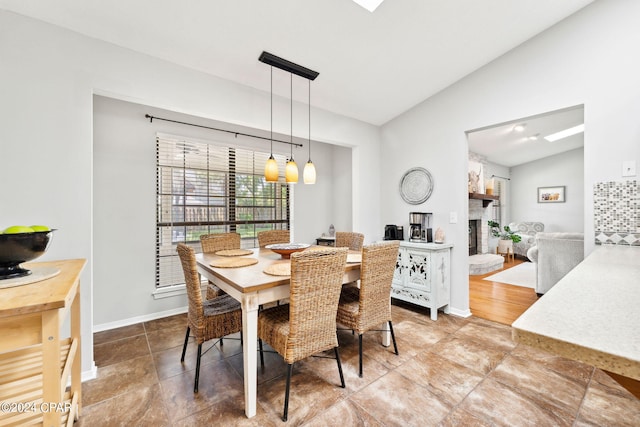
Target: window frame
x,y
241,163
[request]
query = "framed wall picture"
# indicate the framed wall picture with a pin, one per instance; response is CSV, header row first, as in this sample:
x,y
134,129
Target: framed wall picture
x,y
551,194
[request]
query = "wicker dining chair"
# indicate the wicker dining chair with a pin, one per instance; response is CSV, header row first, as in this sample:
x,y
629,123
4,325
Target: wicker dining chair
x,y
208,319
348,239
218,242
307,325
270,237
369,306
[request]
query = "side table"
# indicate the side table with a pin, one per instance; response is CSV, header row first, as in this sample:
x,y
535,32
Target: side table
x,y
506,255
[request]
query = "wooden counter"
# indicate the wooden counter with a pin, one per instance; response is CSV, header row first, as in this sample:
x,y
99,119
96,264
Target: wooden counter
x,y
591,314
35,362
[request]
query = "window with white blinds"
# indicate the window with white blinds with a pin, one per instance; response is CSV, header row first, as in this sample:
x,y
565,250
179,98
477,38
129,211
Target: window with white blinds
x,y
496,206
205,188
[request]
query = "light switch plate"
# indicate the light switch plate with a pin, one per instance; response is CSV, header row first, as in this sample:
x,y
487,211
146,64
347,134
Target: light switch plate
x,y
629,168
453,217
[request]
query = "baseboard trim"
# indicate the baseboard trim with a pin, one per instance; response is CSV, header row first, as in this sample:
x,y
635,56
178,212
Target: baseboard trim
x,y
138,319
459,313
91,374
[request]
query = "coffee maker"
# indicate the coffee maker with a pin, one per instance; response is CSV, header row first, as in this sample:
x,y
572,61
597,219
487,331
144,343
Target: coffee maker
x,y
393,232
420,227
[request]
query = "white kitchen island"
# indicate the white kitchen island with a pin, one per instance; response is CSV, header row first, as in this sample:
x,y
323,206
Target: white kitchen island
x,y
592,314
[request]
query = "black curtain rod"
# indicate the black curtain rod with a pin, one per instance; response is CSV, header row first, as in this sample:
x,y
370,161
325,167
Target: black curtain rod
x,y
496,176
220,130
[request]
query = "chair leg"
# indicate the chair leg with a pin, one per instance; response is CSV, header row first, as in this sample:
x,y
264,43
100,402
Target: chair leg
x,y
342,384
261,353
393,337
286,393
360,353
195,387
186,341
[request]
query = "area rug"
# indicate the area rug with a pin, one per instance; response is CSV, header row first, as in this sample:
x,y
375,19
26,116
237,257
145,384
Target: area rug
x,y
521,275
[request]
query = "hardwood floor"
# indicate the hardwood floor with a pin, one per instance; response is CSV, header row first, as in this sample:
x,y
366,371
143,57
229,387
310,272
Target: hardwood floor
x,y
496,301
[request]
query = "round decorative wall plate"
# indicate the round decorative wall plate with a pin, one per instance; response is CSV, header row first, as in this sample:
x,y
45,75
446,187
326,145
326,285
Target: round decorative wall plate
x,y
416,186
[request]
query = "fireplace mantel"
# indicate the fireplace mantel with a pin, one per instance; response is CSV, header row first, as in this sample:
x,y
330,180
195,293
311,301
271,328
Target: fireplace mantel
x,y
486,198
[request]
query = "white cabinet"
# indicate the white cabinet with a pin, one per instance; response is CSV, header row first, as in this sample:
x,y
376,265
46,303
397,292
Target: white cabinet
x,y
423,275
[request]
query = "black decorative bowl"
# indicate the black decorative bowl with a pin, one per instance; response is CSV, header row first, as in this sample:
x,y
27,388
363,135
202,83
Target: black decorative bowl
x,y
21,247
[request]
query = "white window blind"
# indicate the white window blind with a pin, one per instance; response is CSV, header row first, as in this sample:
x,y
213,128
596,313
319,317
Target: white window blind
x,y
496,206
205,188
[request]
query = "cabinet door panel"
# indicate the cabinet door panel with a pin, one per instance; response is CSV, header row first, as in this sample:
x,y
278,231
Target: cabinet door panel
x,y
418,271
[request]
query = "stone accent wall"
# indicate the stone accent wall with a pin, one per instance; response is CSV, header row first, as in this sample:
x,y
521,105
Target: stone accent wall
x,y
616,209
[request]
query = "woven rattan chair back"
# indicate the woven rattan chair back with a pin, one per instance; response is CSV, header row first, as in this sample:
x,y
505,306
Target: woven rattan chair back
x,y
270,237
206,319
376,274
349,239
194,294
369,306
307,325
219,242
316,281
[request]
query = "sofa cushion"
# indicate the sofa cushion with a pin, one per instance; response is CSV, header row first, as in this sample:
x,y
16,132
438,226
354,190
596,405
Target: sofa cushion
x,y
561,235
529,228
555,255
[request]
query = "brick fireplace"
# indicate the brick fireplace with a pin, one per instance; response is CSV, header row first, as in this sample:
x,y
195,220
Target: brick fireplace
x,y
478,227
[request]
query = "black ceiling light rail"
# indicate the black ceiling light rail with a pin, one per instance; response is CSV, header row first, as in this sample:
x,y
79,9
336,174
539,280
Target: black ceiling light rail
x,y
288,66
151,118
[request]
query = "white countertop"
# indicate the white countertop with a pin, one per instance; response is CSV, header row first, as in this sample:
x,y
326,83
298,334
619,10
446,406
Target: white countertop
x,y
592,314
425,245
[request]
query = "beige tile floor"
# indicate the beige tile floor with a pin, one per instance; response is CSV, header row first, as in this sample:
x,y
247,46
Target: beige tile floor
x,y
452,372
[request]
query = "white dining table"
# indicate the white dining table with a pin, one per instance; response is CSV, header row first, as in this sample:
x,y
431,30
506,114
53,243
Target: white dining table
x,y
252,287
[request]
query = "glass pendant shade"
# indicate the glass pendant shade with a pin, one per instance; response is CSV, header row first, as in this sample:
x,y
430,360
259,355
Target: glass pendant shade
x,y
271,170
309,174
291,172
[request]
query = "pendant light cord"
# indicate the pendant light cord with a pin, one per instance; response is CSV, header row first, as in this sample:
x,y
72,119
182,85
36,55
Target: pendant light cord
x,y
309,120
271,152
291,96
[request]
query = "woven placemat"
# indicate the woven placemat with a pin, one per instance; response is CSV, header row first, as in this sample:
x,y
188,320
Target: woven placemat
x,y
233,262
234,252
279,269
353,258
37,274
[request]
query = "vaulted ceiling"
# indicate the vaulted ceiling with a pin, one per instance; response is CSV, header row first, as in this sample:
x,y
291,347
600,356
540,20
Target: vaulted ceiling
x,y
373,66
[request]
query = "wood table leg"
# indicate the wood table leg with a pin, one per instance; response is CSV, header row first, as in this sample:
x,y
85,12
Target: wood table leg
x,y
51,372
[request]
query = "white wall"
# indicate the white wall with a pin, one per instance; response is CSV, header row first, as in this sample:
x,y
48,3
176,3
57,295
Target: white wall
x,y
566,169
124,185
48,77
585,59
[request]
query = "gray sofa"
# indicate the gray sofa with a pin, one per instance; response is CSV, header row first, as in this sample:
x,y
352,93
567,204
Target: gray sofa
x,y
527,232
555,254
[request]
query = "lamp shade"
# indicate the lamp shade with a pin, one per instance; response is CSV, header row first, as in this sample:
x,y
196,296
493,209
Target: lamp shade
x,y
271,170
291,172
309,174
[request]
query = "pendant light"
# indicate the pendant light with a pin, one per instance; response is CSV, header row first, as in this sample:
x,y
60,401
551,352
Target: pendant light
x,y
271,167
309,174
291,171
